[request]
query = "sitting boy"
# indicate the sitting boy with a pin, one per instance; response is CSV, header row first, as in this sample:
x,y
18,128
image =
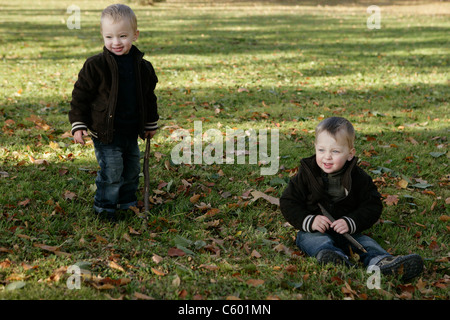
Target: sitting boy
x,y
332,178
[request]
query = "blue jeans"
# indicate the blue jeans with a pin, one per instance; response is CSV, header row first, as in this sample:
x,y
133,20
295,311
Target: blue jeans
x,y
118,178
312,243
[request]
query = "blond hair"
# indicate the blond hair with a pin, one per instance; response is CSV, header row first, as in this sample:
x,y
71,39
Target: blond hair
x,y
117,12
335,126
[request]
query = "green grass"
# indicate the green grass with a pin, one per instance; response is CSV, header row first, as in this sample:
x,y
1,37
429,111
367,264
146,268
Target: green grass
x,y
274,65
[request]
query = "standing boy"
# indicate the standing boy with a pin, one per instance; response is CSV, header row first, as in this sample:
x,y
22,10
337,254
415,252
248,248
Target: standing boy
x,y
332,178
114,99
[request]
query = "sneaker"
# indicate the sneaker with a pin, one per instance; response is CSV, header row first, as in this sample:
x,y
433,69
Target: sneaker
x,y
409,266
106,216
329,256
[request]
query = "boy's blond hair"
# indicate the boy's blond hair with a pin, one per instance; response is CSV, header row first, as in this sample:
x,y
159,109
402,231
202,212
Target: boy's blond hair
x,y
335,126
117,12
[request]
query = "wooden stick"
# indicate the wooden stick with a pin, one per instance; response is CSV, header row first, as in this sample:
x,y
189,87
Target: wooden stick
x,y
346,235
146,175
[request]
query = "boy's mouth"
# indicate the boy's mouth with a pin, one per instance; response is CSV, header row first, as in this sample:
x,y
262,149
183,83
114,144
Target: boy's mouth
x,y
327,165
117,49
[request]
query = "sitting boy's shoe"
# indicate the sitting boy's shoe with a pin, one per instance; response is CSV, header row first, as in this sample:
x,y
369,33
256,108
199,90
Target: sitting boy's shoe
x,y
409,266
329,256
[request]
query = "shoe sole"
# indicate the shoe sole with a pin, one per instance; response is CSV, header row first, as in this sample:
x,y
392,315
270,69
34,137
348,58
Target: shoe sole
x,y
332,257
410,267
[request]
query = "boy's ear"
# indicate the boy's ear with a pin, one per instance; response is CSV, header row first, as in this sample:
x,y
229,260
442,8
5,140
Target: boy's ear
x,y
136,35
352,154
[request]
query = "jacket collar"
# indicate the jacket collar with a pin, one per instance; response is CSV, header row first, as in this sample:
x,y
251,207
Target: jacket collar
x,y
134,50
314,174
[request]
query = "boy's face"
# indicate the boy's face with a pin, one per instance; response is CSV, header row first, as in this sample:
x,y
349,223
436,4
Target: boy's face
x,y
332,154
118,36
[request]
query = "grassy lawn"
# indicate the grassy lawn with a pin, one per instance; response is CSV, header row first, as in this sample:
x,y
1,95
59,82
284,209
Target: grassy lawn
x,y
271,65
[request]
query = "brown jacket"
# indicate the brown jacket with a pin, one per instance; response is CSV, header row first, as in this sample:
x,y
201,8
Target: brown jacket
x,y
94,96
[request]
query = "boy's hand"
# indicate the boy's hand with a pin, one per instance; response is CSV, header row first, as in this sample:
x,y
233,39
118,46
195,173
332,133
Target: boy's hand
x,y
78,136
340,226
150,134
321,224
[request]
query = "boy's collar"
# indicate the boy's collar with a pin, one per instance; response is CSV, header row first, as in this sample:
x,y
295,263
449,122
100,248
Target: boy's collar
x,y
134,50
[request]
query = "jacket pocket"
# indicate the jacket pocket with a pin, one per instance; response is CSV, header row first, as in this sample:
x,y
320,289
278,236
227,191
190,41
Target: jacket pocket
x,y
98,116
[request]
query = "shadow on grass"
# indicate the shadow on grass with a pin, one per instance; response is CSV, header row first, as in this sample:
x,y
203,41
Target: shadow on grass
x,y
205,34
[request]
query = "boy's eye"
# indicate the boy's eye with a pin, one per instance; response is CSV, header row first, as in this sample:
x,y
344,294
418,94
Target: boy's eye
x,y
335,151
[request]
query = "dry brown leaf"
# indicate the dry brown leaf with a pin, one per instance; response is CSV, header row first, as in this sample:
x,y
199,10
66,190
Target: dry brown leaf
x,y
157,259
142,296
24,203
46,247
69,195
254,282
115,265
209,266
126,237
391,200
158,272
175,252
255,254
5,264
194,198
258,194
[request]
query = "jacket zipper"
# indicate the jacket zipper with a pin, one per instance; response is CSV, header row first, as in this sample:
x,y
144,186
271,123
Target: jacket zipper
x,y
113,98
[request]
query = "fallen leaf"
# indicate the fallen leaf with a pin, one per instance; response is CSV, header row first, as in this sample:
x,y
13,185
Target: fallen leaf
x,y
15,285
46,247
182,294
402,183
24,203
433,245
142,296
209,266
38,161
255,254
258,194
194,198
158,272
69,195
232,298
177,281
157,259
115,265
175,252
5,264
254,282
391,200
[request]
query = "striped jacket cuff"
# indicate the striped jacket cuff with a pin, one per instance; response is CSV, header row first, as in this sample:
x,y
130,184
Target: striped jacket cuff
x,y
351,224
307,223
78,126
150,126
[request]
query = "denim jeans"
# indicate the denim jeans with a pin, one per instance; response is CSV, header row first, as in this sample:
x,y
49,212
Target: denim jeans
x,y
118,178
312,243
